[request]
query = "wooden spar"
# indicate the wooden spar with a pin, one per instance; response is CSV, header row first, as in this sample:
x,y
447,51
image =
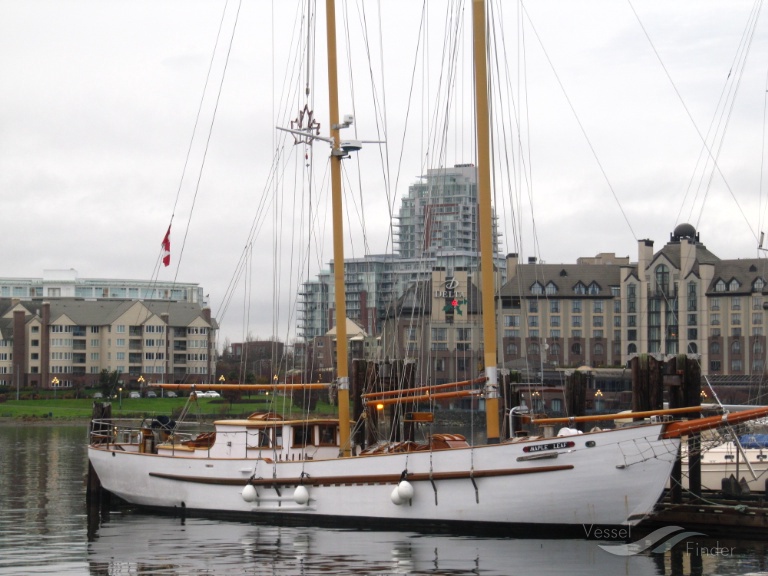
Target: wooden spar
x,y
686,427
376,395
485,224
619,416
425,397
241,387
338,233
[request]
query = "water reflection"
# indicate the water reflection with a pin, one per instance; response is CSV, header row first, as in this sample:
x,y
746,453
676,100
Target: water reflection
x,y
45,529
136,543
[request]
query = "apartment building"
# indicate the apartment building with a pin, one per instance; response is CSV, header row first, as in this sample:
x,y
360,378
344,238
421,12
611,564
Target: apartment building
x,y
61,342
603,311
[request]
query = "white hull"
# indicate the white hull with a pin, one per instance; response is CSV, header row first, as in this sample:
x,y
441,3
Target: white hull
x,y
719,463
602,478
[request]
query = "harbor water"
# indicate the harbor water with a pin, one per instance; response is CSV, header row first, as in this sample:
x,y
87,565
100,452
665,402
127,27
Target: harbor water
x,y
47,528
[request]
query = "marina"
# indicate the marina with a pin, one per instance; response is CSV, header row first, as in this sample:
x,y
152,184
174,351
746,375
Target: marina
x,y
46,528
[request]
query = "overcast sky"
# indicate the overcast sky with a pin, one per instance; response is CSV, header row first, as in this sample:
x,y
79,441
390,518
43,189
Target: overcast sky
x,y
98,102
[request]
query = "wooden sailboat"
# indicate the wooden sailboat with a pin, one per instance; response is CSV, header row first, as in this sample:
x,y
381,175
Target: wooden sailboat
x,y
309,470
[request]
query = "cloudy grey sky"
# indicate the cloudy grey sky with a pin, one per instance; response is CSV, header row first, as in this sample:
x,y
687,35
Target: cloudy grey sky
x,y
98,103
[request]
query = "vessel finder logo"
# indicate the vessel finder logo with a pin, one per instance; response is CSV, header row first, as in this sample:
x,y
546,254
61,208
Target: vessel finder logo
x,y
659,541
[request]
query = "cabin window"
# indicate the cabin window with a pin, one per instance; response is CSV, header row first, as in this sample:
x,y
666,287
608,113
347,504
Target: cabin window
x,y
328,436
302,436
262,439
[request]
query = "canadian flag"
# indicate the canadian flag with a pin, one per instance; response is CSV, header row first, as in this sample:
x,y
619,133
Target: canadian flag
x,y
167,247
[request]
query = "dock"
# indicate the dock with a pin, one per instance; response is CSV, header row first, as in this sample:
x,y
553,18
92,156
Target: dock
x,y
714,515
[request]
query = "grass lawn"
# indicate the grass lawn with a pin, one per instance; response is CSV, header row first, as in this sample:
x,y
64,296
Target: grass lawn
x,y
81,409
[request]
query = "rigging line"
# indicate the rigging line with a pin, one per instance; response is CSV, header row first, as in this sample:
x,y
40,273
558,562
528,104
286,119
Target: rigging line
x,y
523,172
581,126
157,268
762,159
208,139
688,113
351,79
256,225
199,112
747,44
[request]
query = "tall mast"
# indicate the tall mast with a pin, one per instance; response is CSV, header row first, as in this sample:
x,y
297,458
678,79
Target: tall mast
x,y
342,370
486,221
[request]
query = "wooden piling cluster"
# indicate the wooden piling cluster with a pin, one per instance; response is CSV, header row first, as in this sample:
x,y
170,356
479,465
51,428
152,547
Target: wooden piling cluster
x,y
680,377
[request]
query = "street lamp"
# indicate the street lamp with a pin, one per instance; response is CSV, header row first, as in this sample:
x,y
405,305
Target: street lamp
x,y
55,385
120,392
141,383
222,379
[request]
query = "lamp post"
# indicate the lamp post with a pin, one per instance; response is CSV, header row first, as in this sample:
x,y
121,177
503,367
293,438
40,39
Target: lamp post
x,y
222,379
55,385
598,400
120,392
141,384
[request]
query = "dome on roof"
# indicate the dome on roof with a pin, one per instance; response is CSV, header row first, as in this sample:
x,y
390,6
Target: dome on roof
x,y
684,231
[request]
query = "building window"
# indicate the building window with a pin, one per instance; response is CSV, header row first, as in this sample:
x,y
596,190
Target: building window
x,y
631,335
576,306
714,319
736,347
598,334
714,366
534,350
736,303
714,348
576,321
693,348
537,289
554,320
662,279
511,349
692,319
554,306
736,366
720,286
598,306
599,350
533,306
551,289
692,296
594,288
576,348
758,285
511,321
632,349
554,334
714,332
736,319
439,364
693,333
533,320
734,285
579,288
597,320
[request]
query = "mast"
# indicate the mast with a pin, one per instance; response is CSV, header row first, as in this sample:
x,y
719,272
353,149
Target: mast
x,y
337,155
486,221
